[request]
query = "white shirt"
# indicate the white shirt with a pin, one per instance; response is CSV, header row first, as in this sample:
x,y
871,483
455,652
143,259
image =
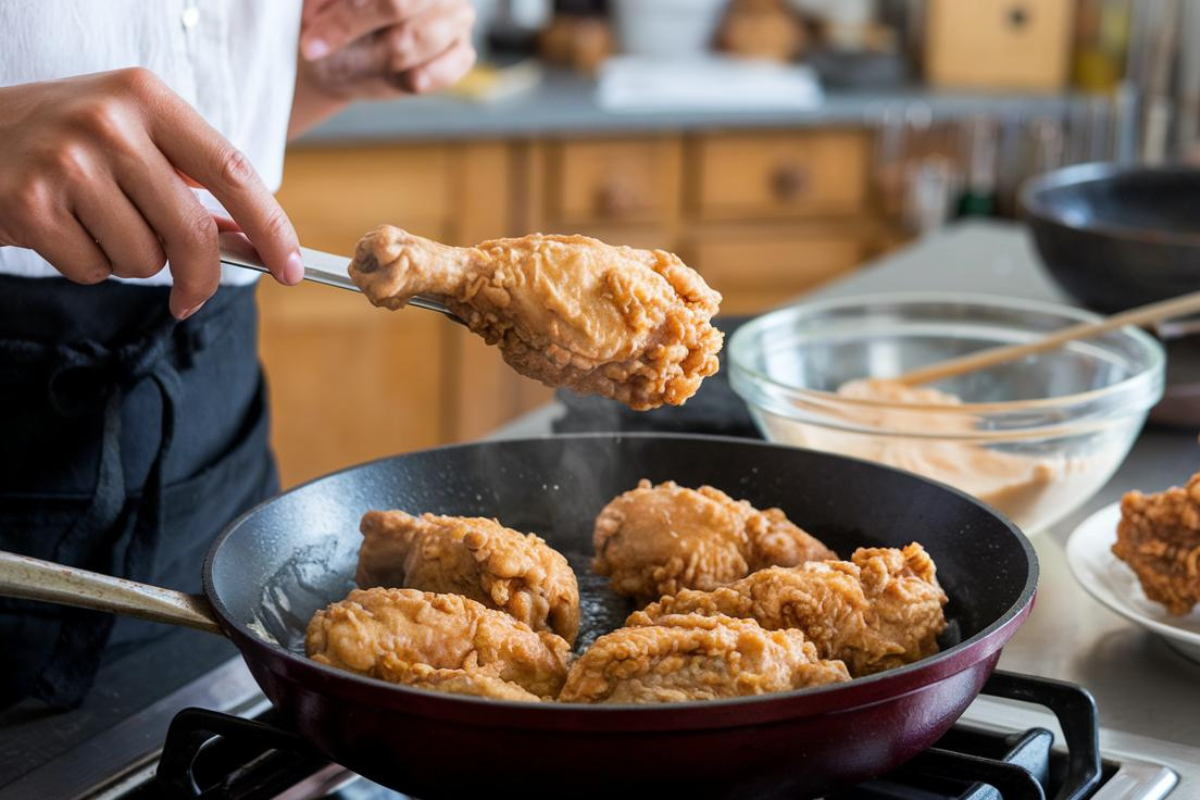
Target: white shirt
x,y
233,60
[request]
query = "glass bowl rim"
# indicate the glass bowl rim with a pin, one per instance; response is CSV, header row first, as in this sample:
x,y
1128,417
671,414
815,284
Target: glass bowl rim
x,y
1155,361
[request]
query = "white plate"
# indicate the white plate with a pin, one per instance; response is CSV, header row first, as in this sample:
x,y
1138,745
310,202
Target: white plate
x,y
1109,580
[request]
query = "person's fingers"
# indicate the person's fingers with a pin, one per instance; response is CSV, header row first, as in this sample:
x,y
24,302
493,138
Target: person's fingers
x,y
423,38
131,247
71,250
341,22
187,230
201,153
443,71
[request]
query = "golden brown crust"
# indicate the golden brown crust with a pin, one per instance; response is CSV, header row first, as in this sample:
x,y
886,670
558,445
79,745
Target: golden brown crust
x,y
633,325
694,657
374,628
881,610
452,681
1159,538
657,540
473,556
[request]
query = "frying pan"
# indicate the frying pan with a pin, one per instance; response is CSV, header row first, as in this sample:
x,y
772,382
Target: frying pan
x,y
271,569
1115,236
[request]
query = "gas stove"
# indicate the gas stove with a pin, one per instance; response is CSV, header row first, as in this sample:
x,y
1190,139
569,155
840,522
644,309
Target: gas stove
x,y
233,749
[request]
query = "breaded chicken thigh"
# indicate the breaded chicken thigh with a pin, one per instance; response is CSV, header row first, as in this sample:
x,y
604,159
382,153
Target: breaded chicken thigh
x,y
473,556
633,325
1159,538
657,540
377,632
882,609
694,657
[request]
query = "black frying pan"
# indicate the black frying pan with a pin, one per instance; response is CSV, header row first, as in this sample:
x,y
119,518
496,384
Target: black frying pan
x,y
1115,236
270,570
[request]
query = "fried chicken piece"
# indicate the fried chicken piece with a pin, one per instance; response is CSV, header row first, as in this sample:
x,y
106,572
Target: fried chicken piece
x,y
376,631
694,657
476,557
657,540
452,681
568,311
880,610
1159,538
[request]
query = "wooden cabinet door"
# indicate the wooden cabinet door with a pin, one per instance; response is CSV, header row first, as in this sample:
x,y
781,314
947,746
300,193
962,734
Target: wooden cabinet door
x,y
751,176
757,270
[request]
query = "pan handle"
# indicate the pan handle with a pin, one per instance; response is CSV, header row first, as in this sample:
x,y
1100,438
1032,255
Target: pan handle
x,y
33,579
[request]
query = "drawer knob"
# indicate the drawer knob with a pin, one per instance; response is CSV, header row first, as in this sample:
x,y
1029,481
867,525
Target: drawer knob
x,y
789,181
616,199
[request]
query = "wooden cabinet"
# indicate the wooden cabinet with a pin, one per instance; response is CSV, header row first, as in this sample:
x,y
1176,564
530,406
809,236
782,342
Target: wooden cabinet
x,y
774,175
611,181
763,216
755,269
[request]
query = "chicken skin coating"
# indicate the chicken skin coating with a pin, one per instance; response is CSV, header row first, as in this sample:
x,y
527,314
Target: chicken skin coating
x,y
658,540
1159,538
452,681
633,325
476,557
880,610
694,657
375,631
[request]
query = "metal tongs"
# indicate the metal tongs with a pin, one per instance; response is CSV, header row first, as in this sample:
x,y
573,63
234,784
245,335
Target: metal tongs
x,y
319,267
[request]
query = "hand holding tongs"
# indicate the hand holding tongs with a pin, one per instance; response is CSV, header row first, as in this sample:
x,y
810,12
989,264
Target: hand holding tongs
x,y
319,267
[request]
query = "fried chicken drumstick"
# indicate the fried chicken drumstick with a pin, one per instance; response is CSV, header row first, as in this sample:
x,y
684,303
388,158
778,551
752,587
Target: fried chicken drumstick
x,y
880,610
695,657
476,557
568,311
657,540
1159,538
439,641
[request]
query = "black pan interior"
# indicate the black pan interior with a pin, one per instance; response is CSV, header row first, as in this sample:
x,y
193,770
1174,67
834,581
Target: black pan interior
x,y
1148,201
281,562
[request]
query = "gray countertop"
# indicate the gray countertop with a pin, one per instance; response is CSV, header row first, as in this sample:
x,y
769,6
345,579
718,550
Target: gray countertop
x,y
564,103
1141,685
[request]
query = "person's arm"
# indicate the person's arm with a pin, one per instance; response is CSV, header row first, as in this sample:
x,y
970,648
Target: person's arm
x,y
377,49
95,178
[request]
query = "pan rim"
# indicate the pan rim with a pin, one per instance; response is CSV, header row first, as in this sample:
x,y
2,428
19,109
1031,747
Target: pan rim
x,y
941,663
1031,200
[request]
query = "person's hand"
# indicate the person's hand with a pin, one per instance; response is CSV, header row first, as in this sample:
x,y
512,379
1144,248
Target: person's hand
x,y
95,177
385,48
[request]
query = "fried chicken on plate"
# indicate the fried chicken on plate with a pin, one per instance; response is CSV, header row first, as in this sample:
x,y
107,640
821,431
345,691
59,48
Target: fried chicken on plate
x,y
1159,538
657,540
383,632
633,325
694,657
475,557
882,609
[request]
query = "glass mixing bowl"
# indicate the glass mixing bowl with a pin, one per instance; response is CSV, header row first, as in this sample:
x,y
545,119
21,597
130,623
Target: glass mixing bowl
x,y
1035,438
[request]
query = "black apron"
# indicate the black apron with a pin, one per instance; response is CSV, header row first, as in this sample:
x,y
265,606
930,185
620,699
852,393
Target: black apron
x,y
128,441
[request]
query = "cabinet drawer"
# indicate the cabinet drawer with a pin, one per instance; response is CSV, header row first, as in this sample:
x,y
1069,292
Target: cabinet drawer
x,y
611,181
754,273
747,176
335,195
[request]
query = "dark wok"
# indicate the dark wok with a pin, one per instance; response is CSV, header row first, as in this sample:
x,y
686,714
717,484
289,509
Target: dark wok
x,y
1115,237
276,565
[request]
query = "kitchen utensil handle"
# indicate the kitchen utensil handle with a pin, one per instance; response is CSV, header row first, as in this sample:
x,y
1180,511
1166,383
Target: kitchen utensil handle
x,y
319,267
1143,315
33,579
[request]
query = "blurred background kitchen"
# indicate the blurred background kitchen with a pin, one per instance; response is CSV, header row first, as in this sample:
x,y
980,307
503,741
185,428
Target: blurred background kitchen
x,y
774,144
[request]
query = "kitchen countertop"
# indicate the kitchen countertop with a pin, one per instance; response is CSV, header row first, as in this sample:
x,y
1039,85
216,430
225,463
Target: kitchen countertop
x,y
564,103
1141,685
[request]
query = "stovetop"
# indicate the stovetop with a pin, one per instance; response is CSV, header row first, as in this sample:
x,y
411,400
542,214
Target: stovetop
x,y
995,743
